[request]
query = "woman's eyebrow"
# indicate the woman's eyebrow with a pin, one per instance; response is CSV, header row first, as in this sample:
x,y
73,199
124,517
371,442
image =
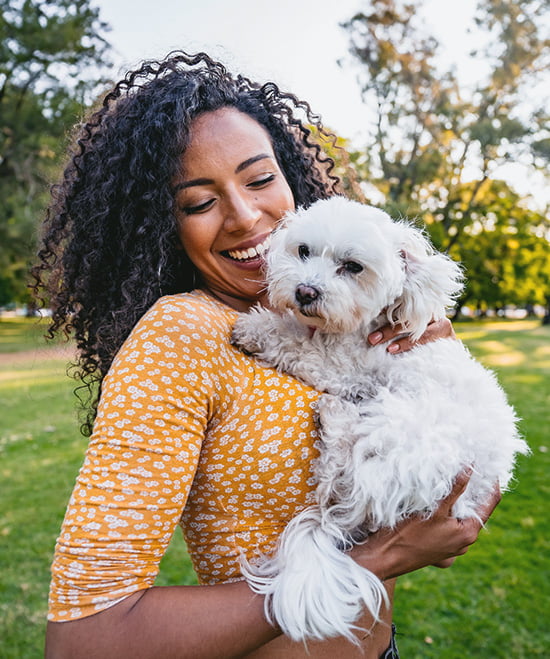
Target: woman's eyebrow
x,y
251,161
189,184
207,181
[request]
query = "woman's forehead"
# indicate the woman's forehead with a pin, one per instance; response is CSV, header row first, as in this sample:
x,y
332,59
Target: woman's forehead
x,y
223,124
227,137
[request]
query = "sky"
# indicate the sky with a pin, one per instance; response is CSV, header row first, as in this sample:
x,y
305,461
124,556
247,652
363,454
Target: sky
x,y
295,43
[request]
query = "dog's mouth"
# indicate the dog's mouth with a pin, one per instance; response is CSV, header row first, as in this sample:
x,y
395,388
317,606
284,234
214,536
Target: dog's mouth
x,y
310,319
309,314
308,311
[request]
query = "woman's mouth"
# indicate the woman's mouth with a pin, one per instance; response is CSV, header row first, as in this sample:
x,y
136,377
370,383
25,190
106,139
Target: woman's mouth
x,y
250,254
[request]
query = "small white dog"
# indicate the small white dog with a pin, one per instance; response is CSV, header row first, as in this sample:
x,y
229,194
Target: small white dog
x,y
396,429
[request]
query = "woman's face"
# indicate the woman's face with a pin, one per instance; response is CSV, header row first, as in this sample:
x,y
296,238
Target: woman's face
x,y
230,198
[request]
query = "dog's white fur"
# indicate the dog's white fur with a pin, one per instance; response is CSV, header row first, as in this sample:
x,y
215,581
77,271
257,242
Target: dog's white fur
x,y
396,429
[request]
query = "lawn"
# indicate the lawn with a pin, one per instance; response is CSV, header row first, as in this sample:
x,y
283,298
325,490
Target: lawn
x,y
21,334
491,603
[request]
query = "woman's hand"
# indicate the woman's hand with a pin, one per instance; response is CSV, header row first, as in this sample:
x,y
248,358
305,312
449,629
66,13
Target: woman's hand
x,y
438,329
418,542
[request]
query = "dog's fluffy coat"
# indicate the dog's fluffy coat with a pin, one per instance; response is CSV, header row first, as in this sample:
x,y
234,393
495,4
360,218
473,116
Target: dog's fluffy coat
x,y
396,429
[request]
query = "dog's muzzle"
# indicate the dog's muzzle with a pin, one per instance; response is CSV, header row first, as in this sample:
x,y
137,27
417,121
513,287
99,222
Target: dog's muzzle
x,y
306,294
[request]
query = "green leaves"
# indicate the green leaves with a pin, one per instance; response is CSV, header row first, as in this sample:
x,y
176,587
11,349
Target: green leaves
x,y
50,55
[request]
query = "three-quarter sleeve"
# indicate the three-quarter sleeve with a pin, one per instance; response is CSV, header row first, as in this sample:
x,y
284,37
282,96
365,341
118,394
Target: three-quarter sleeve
x,y
138,469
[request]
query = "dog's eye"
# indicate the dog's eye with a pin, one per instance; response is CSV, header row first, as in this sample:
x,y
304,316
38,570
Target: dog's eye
x,y
352,266
303,252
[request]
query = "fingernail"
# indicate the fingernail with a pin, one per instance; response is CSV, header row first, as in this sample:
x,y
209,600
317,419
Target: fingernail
x,y
393,348
375,338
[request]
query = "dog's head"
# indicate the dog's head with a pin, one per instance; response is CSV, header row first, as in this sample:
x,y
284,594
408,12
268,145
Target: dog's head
x,y
339,264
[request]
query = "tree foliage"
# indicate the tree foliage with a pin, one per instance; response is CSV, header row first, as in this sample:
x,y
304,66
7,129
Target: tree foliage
x,y
47,51
437,147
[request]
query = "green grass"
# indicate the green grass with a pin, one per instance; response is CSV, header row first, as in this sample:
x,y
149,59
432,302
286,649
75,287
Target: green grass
x,y
19,334
491,603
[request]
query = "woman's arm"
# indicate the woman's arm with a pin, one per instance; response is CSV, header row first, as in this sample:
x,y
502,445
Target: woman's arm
x,y
128,499
225,620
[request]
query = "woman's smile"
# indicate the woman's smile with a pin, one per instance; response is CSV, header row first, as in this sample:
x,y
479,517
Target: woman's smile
x,y
250,253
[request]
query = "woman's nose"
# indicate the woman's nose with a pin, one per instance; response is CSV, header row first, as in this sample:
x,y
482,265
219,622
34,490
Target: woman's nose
x,y
241,213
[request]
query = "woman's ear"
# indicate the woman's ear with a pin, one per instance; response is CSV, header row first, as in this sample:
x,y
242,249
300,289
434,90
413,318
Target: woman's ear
x,y
432,282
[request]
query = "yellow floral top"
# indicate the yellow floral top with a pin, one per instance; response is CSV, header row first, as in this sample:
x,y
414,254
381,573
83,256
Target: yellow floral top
x,y
189,431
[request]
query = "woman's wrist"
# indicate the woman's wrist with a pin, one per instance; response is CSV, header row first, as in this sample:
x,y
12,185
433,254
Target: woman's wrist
x,y
378,555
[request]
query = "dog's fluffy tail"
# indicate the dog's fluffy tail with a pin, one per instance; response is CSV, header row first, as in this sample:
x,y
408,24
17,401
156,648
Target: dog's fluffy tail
x,y
312,588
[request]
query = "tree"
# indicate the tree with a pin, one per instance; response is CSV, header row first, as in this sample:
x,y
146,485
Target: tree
x,y
436,147
47,48
504,250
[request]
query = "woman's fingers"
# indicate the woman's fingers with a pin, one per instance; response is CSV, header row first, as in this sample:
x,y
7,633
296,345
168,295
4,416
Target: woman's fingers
x,y
467,529
438,329
460,484
418,541
486,510
385,333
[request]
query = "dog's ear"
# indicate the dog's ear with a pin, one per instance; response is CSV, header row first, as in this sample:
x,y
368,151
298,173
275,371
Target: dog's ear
x,y
431,284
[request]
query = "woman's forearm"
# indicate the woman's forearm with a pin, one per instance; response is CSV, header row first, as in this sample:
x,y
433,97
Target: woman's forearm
x,y
417,542
226,620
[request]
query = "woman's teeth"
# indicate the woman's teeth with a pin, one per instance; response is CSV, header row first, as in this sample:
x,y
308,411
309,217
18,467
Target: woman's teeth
x,y
251,252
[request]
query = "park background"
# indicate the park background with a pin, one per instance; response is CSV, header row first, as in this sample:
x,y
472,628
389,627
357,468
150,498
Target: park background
x,y
442,109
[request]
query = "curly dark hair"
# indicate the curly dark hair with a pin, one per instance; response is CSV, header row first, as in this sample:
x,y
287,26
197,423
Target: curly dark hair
x,y
109,247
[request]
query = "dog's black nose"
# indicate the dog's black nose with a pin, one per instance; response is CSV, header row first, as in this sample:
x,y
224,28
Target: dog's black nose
x,y
306,294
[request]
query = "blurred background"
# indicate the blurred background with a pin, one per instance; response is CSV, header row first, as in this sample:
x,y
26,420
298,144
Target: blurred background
x,y
439,111
441,106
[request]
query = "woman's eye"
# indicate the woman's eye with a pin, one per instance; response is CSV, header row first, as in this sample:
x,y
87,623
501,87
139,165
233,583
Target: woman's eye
x,y
352,266
199,208
262,181
303,252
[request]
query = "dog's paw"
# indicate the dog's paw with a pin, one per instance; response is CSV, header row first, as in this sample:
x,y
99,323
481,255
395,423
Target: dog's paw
x,y
241,338
248,333
333,408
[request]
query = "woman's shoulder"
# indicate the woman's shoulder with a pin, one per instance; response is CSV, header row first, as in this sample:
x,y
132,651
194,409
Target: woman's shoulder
x,y
189,327
194,314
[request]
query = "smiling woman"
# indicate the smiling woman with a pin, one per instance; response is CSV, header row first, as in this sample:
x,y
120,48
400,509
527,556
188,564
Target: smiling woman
x,y
152,245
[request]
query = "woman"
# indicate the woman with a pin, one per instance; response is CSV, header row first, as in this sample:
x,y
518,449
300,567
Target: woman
x,y
152,246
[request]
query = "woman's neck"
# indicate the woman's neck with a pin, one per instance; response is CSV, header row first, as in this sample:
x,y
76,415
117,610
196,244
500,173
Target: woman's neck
x,y
238,304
